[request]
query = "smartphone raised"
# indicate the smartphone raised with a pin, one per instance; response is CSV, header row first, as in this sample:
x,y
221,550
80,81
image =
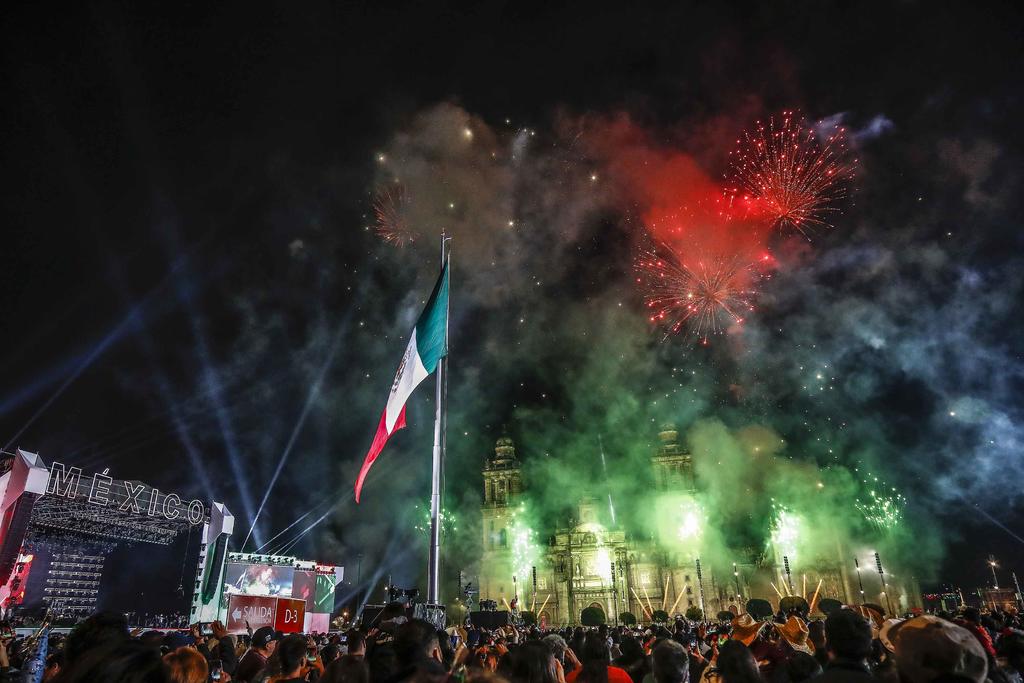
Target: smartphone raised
x,y
216,669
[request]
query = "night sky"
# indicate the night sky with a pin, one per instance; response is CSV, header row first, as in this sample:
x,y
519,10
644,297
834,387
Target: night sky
x,y
192,285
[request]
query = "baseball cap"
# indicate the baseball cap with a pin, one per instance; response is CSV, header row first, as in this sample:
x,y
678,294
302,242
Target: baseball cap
x,y
928,648
264,635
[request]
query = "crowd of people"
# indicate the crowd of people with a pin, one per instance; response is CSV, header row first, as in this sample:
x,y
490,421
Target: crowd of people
x,y
849,645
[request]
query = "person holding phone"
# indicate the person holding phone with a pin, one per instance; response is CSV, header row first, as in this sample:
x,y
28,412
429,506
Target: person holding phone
x,y
217,644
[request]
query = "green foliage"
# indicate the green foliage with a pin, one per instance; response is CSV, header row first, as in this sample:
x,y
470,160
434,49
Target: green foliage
x,y
694,613
592,616
659,616
628,618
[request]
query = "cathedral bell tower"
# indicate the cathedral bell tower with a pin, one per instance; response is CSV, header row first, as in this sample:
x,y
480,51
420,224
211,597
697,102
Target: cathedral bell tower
x,y
502,488
673,465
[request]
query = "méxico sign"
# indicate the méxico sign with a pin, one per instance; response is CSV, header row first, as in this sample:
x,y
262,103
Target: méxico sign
x,y
132,497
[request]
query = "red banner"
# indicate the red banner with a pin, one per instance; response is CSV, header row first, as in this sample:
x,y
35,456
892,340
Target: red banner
x,y
291,615
258,610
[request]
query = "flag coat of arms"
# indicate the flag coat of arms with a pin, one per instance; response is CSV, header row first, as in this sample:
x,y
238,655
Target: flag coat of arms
x,y
427,346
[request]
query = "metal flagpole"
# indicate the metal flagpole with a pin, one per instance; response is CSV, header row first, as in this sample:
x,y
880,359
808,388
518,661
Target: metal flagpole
x,y
441,413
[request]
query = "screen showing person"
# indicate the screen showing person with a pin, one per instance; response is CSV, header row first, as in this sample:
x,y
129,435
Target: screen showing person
x,y
304,587
258,579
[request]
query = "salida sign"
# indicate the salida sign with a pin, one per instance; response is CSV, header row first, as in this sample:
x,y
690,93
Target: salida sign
x,y
127,496
255,611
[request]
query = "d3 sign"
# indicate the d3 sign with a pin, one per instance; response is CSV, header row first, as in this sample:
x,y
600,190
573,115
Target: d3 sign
x,y
291,615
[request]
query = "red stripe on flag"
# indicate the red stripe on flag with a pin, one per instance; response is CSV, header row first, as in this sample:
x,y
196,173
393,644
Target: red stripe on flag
x,y
379,439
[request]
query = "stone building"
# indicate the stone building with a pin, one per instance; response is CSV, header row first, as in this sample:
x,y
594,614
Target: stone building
x,y
557,573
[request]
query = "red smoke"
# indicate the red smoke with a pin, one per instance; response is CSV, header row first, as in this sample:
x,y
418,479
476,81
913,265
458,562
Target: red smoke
x,y
679,203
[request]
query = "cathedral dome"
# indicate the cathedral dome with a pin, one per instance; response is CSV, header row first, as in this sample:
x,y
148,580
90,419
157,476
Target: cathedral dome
x,y
668,434
504,449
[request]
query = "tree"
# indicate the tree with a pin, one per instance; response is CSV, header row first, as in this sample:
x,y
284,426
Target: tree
x,y
592,616
529,618
628,618
659,616
695,613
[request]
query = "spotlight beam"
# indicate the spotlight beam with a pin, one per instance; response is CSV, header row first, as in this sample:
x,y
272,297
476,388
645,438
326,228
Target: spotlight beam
x,y
314,392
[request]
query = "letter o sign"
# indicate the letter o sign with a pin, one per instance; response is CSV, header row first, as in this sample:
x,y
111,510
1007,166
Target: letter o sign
x,y
195,512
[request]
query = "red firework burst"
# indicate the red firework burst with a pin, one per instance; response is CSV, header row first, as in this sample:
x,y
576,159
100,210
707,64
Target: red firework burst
x,y
796,174
389,210
705,295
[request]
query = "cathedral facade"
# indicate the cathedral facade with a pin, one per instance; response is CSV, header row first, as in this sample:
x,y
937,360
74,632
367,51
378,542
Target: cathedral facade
x,y
557,573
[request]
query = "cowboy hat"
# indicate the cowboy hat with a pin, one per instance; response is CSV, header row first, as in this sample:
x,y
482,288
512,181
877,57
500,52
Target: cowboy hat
x,y
828,605
759,609
745,628
795,632
794,604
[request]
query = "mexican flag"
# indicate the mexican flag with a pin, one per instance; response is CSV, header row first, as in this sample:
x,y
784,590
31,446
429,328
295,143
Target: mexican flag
x,y
428,345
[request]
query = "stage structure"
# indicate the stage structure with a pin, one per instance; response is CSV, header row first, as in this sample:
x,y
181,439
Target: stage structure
x,y
57,525
281,591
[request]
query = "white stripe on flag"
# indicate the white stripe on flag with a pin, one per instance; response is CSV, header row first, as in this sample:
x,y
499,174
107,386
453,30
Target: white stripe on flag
x,y
410,373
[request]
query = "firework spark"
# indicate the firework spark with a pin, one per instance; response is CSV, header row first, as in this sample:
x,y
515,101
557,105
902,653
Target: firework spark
x,y
389,210
523,544
795,173
705,296
446,518
785,530
881,505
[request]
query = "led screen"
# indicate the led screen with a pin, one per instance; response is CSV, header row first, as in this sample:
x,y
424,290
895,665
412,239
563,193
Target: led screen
x,y
324,593
258,579
304,587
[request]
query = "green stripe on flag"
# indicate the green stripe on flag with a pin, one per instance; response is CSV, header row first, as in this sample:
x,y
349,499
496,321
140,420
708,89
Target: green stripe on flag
x,y
431,341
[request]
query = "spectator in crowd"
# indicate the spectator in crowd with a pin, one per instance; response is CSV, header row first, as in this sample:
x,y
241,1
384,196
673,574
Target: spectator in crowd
x,y
596,663
219,645
114,660
329,654
186,665
632,659
531,662
264,642
558,647
800,667
100,629
971,620
54,665
848,642
346,669
418,651
6,674
1011,656
295,666
736,664
816,636
930,649
671,662
355,642
381,662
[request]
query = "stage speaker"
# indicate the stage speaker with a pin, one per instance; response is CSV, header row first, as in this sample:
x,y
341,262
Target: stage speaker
x,y
489,620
